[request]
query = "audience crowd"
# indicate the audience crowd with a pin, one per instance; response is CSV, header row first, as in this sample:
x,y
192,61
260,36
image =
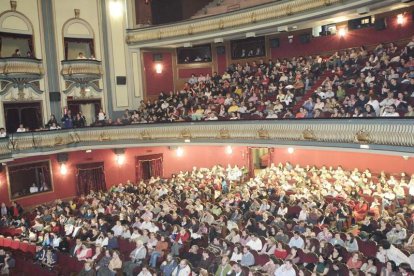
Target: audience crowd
x,y
287,220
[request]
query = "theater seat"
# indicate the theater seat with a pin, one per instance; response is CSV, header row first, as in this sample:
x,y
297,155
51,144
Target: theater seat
x,y
1,241
7,242
15,244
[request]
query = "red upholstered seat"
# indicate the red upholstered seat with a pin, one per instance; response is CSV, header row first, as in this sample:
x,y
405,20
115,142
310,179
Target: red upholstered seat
x,y
15,244
24,247
310,258
1,241
7,242
261,259
31,248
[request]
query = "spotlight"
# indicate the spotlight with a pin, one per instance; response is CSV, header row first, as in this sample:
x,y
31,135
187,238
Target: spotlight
x,y
187,141
364,146
229,150
120,159
88,151
400,19
180,151
116,8
342,32
290,150
158,68
63,169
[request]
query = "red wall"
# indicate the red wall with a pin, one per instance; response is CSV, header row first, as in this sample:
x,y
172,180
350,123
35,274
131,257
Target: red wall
x,y
186,73
355,38
155,83
348,160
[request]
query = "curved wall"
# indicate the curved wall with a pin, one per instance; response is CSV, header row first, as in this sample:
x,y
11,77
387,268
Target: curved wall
x,y
199,156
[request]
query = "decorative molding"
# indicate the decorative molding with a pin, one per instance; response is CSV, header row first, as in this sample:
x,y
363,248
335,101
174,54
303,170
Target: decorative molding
x,y
13,5
363,136
383,133
81,73
21,73
77,13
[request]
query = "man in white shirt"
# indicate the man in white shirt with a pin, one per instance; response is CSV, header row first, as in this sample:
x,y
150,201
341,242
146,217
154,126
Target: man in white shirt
x,y
296,241
255,243
285,269
33,189
21,128
2,132
118,229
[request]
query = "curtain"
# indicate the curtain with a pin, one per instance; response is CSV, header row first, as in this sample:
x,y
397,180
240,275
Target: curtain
x,y
90,177
250,163
156,166
88,110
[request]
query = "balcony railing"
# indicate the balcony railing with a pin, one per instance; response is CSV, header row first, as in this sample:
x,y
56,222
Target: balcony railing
x,y
81,73
228,21
20,72
379,134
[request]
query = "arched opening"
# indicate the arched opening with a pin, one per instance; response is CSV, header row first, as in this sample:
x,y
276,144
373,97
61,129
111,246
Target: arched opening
x,y
78,40
16,35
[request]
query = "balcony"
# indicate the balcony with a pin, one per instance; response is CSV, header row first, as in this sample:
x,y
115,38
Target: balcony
x,y
392,135
81,73
20,73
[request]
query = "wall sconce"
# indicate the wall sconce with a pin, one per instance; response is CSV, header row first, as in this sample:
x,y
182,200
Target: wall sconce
x,y
180,151
119,156
158,68
291,150
290,39
342,32
62,158
400,19
229,150
116,8
63,169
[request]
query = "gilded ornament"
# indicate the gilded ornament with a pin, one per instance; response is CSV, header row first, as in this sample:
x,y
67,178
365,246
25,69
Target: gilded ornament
x,y
145,135
58,141
224,133
253,17
104,137
221,24
190,29
185,133
308,134
362,136
263,133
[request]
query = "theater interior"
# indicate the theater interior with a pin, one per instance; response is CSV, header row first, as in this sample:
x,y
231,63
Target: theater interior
x,y
207,137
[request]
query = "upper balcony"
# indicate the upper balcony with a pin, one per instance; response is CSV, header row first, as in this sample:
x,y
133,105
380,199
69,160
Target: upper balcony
x,y
267,16
81,73
20,72
390,135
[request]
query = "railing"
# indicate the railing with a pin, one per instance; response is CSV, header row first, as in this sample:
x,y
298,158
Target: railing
x,y
20,65
380,134
20,72
234,19
81,73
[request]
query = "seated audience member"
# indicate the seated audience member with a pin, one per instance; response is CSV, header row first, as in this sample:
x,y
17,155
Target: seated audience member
x,y
168,266
286,269
3,132
183,269
354,262
296,241
87,269
136,258
247,258
224,268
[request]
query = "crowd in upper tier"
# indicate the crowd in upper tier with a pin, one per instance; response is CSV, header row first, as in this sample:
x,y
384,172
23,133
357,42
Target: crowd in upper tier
x,y
288,220
351,83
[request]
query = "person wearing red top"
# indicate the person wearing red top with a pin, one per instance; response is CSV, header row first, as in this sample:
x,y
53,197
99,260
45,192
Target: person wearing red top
x,y
280,252
354,262
179,241
360,210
